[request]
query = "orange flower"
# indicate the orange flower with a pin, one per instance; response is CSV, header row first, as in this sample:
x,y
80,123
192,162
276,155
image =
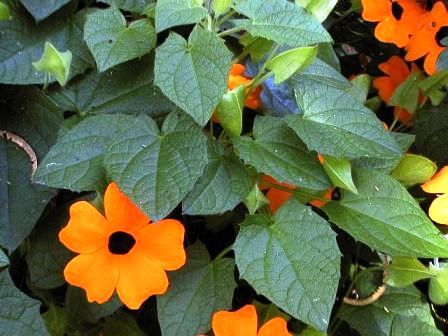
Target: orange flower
x,y
121,250
237,78
426,40
397,19
277,197
438,211
397,71
244,322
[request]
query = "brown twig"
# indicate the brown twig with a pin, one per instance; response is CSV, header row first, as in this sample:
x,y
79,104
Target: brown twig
x,y
19,141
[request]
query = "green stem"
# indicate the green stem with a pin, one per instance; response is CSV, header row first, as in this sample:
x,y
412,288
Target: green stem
x,y
225,18
230,31
224,252
260,80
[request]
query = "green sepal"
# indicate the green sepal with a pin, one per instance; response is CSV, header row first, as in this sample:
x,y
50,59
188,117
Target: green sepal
x,y
407,94
438,288
221,7
55,63
291,61
255,200
4,12
230,111
319,8
414,169
405,271
256,47
434,87
339,172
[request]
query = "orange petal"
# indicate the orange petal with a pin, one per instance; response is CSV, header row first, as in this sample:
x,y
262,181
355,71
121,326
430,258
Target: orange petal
x,y
86,231
438,211
96,273
385,86
403,115
376,10
140,277
235,81
237,69
391,31
438,184
277,326
327,195
267,179
276,198
122,214
242,322
430,64
396,68
163,242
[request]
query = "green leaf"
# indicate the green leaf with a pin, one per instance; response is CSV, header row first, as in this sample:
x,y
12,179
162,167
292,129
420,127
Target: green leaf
x,y
25,43
405,271
55,63
414,169
120,324
171,13
112,41
41,9
409,325
255,199
46,256
340,173
430,129
255,46
31,116
287,63
221,7
395,306
119,90
193,74
56,320
19,314
333,123
282,257
80,310
75,162
435,86
157,170
438,287
320,73
278,152
4,12
136,6
406,95
230,111
4,260
281,21
224,184
199,289
385,217
319,8
360,88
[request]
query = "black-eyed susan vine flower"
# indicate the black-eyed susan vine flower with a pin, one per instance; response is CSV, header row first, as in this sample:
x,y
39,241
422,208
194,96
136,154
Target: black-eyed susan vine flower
x,y
438,210
121,251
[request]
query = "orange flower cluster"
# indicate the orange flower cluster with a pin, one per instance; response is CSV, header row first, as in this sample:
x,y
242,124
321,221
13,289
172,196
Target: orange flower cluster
x,y
407,24
438,211
244,321
122,250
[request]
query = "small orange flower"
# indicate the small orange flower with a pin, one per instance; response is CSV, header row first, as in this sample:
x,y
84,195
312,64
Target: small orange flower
x,y
426,41
438,211
237,78
121,250
244,322
397,71
397,19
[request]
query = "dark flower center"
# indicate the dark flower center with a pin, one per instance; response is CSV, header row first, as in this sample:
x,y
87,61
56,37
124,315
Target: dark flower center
x,y
397,10
120,242
441,36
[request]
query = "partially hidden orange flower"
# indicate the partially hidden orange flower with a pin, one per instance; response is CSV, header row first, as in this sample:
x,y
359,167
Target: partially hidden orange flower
x,y
398,19
244,322
237,78
277,197
426,41
397,72
121,250
438,210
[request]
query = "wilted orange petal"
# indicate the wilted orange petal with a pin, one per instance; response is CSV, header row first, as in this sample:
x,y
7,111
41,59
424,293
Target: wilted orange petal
x,y
121,213
242,322
438,184
438,211
396,68
96,273
163,242
274,327
140,277
276,198
86,231
375,10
